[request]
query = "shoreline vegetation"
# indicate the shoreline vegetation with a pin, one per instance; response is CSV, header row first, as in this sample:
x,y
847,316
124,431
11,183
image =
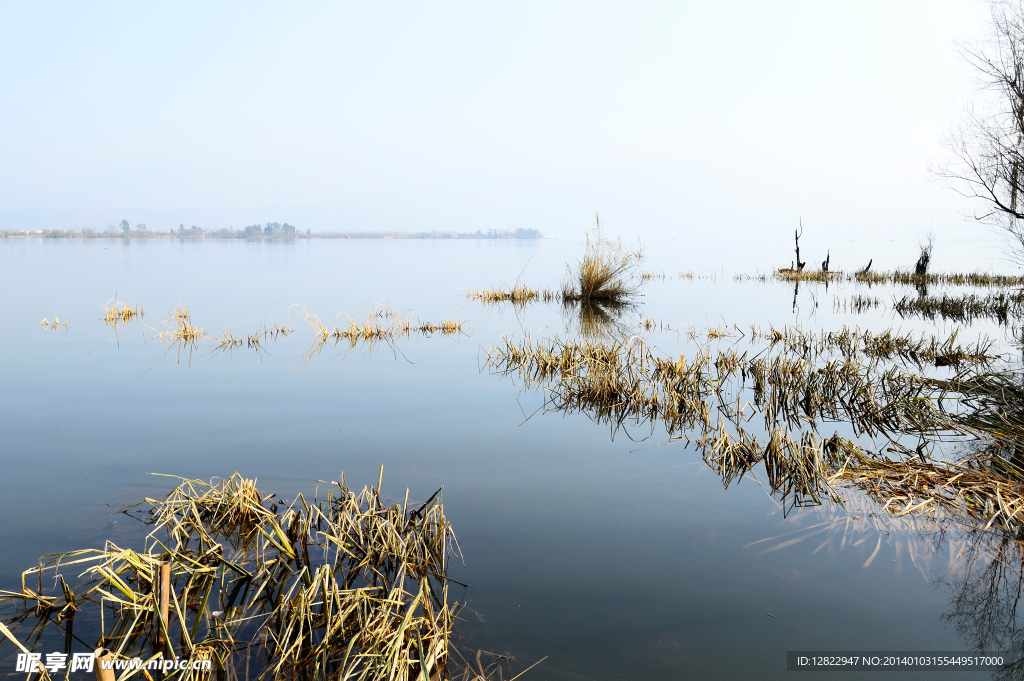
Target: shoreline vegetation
x,y
337,585
271,230
896,277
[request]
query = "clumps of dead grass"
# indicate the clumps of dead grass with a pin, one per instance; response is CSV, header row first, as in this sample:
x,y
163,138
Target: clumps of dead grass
x,y
183,331
338,586
901,278
381,325
797,383
117,313
517,294
608,271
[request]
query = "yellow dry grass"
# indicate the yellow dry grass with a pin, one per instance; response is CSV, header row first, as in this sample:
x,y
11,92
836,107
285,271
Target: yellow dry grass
x,y
337,586
118,313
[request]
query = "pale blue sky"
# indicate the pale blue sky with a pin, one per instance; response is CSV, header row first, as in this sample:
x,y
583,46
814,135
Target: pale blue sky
x,y
726,118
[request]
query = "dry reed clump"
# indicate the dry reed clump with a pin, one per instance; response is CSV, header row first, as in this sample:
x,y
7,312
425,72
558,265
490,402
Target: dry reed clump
x,y
116,312
341,586
183,331
902,278
608,271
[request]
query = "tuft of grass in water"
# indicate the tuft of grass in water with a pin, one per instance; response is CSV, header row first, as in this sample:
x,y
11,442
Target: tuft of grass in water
x,y
608,271
446,327
183,331
118,313
518,294
337,586
648,276
381,325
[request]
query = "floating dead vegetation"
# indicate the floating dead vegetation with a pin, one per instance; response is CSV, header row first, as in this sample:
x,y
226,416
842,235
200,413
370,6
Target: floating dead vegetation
x,y
796,384
382,325
901,278
971,489
117,313
340,586
55,324
999,307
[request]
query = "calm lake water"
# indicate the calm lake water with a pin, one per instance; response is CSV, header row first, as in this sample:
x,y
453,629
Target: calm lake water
x,y
617,558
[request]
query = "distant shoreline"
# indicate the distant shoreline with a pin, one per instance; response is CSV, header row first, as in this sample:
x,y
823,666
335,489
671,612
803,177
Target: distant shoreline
x,y
252,235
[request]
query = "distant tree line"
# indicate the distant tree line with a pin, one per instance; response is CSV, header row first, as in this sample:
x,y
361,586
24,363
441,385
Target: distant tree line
x,y
271,230
478,234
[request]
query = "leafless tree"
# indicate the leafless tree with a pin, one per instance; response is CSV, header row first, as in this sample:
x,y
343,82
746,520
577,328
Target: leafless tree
x,y
988,147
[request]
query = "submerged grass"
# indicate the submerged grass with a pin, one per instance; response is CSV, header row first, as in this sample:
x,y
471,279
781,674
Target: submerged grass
x,y
339,586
